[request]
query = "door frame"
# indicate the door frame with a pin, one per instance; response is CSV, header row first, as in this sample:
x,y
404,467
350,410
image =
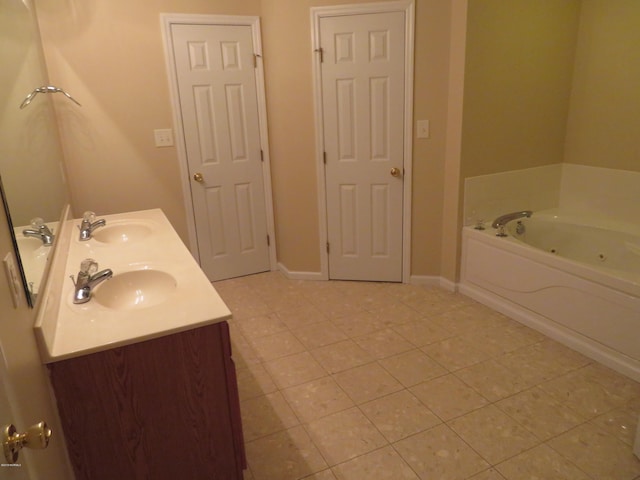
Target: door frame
x,y
317,13
166,21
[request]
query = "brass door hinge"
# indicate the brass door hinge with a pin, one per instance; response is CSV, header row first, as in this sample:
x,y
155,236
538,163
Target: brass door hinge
x,y
321,52
268,241
255,60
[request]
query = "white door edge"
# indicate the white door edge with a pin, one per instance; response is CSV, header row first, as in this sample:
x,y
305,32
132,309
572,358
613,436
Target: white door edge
x,y
408,7
168,19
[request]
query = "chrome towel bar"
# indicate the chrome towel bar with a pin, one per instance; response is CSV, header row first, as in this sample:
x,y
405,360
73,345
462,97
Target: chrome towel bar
x,y
46,89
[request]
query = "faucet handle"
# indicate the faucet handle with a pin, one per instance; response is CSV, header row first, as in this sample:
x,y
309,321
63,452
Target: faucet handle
x,y
88,216
88,266
37,223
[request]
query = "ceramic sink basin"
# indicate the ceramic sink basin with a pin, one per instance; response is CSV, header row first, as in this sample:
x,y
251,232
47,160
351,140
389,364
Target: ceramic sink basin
x,y
136,289
121,233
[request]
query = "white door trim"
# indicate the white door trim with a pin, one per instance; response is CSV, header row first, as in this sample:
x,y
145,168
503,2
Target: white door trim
x,y
168,19
406,6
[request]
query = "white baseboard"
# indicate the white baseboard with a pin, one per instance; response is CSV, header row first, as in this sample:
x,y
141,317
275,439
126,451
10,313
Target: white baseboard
x,y
433,281
293,275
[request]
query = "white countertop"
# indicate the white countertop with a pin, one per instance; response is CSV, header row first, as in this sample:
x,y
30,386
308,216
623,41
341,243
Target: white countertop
x,y
65,330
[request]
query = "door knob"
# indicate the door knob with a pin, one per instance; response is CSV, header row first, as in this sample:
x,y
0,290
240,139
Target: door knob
x,y
198,177
395,172
36,436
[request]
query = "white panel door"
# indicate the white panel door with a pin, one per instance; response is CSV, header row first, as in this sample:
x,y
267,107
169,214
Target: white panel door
x,y
218,102
363,120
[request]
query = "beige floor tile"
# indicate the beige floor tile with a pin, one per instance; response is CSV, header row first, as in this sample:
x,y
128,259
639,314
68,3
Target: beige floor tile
x,y
540,462
254,381
422,332
531,364
493,434
500,340
491,380
598,454
267,414
383,464
244,354
276,346
580,392
247,307
434,305
324,475
261,326
338,306
623,388
317,399
413,367
399,415
383,343
621,423
448,397
286,455
301,316
455,353
490,474
469,319
539,413
319,334
367,382
396,313
294,369
344,435
341,356
438,453
359,324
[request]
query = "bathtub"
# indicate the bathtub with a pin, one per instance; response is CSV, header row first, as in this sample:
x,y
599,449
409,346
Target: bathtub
x,y
577,283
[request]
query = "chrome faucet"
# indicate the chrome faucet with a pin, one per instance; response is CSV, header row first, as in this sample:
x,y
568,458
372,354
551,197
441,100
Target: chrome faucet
x,y
502,221
88,278
89,224
41,231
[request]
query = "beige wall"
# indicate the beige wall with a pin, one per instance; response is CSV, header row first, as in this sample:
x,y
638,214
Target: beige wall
x,y
109,54
604,119
519,63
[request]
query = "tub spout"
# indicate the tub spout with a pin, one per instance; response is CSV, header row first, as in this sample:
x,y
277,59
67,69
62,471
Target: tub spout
x,y
502,221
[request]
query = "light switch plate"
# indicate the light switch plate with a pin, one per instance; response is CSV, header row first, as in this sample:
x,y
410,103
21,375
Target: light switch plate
x,y
163,137
15,283
422,130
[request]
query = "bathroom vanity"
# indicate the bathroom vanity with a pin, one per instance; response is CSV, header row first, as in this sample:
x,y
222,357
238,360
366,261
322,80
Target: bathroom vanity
x,y
142,373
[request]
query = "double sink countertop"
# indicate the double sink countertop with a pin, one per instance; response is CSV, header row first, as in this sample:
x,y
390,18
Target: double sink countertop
x,y
157,288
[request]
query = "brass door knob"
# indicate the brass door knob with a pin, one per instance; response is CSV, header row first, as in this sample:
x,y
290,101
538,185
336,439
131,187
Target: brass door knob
x,y
37,436
198,177
395,172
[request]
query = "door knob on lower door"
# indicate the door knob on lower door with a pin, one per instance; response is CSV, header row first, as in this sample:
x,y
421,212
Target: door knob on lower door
x,y
37,436
395,172
198,177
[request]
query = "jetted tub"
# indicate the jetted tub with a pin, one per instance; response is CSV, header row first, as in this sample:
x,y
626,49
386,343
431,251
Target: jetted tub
x,y
577,283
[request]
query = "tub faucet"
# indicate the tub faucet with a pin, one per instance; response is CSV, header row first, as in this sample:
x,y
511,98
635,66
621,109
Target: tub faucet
x,y
89,224
41,231
502,221
88,278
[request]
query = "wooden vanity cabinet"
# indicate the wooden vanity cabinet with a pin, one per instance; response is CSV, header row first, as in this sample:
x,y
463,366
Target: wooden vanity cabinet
x,y
165,408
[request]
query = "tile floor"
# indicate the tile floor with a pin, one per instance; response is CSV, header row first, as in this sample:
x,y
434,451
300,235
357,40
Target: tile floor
x,y
367,381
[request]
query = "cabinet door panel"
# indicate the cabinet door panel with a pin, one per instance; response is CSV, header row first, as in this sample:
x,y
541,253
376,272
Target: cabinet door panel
x,y
159,409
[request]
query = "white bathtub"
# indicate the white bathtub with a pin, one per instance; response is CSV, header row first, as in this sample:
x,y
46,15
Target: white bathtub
x,y
578,284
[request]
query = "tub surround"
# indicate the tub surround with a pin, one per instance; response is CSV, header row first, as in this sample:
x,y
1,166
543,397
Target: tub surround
x,y
599,194
65,330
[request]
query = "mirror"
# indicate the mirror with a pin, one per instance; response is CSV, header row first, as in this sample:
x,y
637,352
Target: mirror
x,y
31,162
